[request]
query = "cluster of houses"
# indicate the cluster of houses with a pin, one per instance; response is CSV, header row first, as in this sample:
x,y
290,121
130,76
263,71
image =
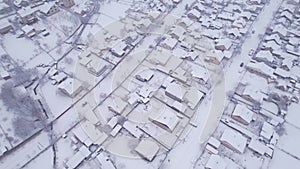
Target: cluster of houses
x,y
28,13
225,23
261,101
169,85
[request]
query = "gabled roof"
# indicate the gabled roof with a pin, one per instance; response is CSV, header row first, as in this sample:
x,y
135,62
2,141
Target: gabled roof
x,y
234,140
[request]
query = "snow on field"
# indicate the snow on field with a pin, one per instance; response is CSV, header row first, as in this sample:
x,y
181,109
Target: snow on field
x,y
26,49
65,22
43,58
21,156
65,122
68,64
282,160
59,51
88,33
114,10
290,140
54,39
293,114
42,161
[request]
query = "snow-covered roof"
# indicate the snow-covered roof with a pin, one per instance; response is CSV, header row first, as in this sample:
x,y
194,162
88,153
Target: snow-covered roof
x,y
176,91
243,113
257,146
169,42
223,44
195,13
265,55
166,118
214,142
46,6
193,96
260,68
70,86
267,131
200,73
177,32
282,73
145,75
234,140
147,149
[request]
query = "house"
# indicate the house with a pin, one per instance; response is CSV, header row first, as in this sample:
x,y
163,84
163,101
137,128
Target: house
x,y
288,15
261,69
210,33
169,43
215,162
28,30
239,23
227,16
280,30
274,37
223,44
214,142
257,146
98,67
175,91
194,14
27,15
242,114
180,107
120,49
200,73
177,32
147,149
49,8
254,2
271,46
67,3
191,55
234,32
166,118
267,131
185,22
82,136
70,87
144,75
5,26
193,97
264,56
234,140
282,73
153,16
214,56
246,15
